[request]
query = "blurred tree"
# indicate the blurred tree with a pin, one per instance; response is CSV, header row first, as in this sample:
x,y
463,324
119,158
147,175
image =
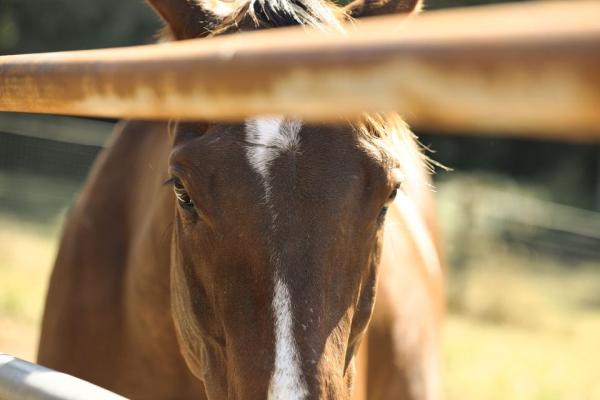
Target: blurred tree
x,y
53,25
435,4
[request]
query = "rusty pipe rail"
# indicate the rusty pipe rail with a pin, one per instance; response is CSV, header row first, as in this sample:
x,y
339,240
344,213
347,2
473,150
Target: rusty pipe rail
x,y
528,67
22,380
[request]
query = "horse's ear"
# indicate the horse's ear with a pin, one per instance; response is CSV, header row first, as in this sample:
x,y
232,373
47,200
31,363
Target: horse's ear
x,y
185,19
370,8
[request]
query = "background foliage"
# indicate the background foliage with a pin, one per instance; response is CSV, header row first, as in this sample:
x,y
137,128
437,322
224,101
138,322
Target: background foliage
x,y
54,25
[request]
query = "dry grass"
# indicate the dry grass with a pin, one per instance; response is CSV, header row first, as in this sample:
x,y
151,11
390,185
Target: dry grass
x,y
487,361
26,253
524,332
522,325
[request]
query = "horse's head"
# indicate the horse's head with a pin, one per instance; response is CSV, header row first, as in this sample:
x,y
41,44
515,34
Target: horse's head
x,y
276,243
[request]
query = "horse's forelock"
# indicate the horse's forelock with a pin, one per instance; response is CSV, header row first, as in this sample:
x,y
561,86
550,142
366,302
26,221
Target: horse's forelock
x,y
260,14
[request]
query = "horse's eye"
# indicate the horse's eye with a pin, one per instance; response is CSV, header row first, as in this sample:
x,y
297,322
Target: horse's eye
x,y
392,197
183,198
388,202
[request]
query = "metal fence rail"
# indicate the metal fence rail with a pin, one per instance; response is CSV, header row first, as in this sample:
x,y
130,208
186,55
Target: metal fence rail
x,y
530,68
21,380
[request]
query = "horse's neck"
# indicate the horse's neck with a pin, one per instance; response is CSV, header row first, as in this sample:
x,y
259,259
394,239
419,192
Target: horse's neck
x,y
148,212
139,156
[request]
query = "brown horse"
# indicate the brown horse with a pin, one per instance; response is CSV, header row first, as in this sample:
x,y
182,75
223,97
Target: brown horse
x,y
242,261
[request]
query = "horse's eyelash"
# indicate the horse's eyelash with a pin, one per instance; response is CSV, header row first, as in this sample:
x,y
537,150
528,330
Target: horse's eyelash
x,y
170,181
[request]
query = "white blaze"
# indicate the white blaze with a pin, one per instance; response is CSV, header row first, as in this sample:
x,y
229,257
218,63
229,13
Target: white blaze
x,y
286,380
261,133
267,138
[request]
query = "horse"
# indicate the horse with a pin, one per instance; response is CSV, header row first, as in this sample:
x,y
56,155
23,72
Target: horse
x,y
265,259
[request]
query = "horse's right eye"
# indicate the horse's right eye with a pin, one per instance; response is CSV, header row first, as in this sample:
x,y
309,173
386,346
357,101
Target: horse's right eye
x,y
183,198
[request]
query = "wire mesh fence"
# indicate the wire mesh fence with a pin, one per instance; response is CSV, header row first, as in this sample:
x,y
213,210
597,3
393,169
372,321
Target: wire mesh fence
x,y
42,165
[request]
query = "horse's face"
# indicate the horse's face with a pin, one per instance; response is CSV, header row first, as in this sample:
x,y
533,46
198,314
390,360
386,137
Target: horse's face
x,y
277,231
275,251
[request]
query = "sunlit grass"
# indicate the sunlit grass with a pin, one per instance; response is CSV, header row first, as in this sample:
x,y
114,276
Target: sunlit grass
x,y
520,334
487,361
26,253
521,324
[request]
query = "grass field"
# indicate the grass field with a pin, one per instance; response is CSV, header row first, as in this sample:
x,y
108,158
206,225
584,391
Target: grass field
x,y
519,327
524,334
26,254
